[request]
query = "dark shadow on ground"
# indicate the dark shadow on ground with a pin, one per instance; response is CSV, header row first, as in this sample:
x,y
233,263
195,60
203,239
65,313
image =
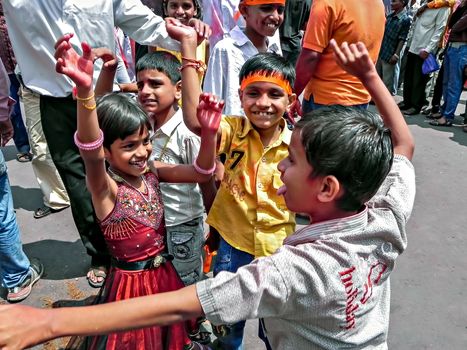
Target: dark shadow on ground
x,y
62,260
28,199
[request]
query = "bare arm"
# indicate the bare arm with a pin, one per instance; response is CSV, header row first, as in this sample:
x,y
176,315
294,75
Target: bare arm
x,y
80,70
24,326
354,59
305,68
105,81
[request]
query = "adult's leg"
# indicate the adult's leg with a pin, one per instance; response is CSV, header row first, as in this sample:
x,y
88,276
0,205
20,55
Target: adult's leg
x,y
58,116
456,59
388,76
419,83
20,136
408,80
438,90
14,264
48,178
230,259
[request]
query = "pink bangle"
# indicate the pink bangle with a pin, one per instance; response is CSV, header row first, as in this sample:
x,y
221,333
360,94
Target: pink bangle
x,y
90,146
204,171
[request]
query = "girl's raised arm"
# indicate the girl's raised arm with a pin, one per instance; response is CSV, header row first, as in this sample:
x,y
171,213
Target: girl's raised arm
x,y
88,137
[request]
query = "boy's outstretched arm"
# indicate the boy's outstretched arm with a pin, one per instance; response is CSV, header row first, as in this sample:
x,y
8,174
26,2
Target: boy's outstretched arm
x,y
354,58
24,326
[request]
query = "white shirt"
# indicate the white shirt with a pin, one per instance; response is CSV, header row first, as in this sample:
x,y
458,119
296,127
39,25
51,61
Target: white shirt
x,y
427,30
178,145
328,287
35,25
225,62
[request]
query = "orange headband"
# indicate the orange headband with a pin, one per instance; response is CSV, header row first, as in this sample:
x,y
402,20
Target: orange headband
x,y
262,2
275,78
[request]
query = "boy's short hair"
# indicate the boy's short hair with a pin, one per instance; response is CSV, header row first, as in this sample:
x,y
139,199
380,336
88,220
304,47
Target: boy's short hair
x,y
163,62
351,144
270,63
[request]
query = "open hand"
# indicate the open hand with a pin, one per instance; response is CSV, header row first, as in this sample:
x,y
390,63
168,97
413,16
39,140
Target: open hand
x,y
209,112
353,58
78,68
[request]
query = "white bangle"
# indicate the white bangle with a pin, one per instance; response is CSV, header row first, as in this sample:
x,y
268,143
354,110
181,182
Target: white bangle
x,y
204,171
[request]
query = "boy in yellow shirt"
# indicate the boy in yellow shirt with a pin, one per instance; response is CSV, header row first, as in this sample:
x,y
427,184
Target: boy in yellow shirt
x,y
251,217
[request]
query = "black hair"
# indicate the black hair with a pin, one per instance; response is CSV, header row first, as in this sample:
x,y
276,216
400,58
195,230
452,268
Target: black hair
x,y
405,2
270,63
163,62
196,3
351,144
119,117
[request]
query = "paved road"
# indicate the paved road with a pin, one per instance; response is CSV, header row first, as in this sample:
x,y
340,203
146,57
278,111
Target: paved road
x,y
429,304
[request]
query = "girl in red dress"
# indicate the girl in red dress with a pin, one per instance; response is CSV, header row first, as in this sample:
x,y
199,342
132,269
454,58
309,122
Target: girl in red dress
x,y
126,196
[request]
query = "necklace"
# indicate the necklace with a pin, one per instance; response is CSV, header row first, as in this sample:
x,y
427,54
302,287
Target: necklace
x,y
119,178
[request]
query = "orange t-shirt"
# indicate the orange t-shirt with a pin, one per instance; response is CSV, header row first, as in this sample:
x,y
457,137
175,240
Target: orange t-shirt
x,y
343,20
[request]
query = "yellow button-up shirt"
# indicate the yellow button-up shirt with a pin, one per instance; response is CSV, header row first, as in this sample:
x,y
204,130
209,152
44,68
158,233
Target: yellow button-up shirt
x,y
247,211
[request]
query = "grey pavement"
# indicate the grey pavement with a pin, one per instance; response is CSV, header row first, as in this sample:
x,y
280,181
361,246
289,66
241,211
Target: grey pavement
x,y
429,304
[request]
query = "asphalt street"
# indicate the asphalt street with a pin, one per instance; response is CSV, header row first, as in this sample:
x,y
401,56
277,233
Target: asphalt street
x,y
429,283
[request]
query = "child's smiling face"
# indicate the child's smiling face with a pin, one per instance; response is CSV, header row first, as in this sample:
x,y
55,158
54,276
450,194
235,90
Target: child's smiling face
x,y
264,104
130,155
183,10
263,19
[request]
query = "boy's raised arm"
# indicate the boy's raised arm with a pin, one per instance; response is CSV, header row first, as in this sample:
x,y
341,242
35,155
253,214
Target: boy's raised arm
x,y
190,82
354,58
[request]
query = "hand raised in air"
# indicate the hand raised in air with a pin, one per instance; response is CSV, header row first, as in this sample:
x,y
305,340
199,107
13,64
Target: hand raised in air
x,y
354,59
209,112
70,63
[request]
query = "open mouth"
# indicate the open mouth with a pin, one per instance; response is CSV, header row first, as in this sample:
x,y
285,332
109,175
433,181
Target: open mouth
x,y
264,114
140,164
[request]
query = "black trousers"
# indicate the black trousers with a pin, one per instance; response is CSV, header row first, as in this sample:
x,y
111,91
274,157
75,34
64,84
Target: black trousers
x,y
415,83
59,122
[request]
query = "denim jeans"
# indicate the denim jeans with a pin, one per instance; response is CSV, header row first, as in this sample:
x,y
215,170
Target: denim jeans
x,y
230,259
185,242
14,264
453,79
310,105
20,136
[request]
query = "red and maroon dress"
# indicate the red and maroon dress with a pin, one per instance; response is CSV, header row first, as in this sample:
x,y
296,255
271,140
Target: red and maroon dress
x,y
135,231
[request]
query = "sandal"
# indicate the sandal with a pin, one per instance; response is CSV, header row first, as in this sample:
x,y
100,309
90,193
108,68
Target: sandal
x,y
22,291
437,123
98,272
45,210
24,157
436,115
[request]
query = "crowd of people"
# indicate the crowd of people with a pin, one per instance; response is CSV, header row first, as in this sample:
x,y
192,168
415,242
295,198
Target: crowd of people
x,y
170,111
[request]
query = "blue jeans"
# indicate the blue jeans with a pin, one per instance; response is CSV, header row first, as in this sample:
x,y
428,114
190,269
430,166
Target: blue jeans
x,y
453,79
310,105
20,136
14,264
230,259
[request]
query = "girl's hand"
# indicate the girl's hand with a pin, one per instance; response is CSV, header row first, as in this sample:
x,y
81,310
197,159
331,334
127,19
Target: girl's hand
x,y
78,68
209,112
179,31
106,55
354,59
